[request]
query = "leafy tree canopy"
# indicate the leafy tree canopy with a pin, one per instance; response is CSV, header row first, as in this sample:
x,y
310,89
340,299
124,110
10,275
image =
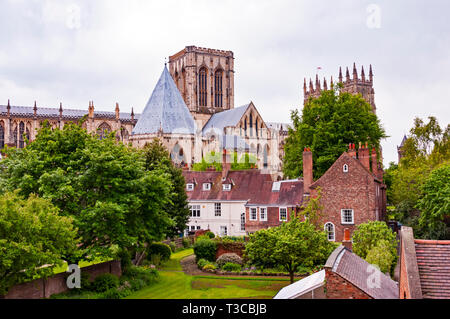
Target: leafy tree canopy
x,y
102,184
327,125
289,245
32,235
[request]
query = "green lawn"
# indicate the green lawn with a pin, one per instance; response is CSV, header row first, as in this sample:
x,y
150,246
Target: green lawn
x,y
174,284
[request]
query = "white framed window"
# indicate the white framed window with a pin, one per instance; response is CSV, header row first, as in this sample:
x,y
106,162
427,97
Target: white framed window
x,y
283,214
206,186
329,229
217,209
242,221
223,231
347,216
345,168
195,210
263,213
192,228
190,187
226,187
253,213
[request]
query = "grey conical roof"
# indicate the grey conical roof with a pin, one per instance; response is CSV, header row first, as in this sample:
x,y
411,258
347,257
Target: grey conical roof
x,y
165,110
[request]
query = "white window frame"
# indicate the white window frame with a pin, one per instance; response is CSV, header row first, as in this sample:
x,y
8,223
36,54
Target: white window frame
x,y
226,187
255,210
206,186
261,215
343,216
328,232
218,209
195,208
190,187
345,168
279,214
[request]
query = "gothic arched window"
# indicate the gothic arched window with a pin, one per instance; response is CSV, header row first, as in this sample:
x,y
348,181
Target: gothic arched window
x,y
21,132
15,137
202,84
124,134
329,229
2,136
103,130
251,124
218,88
256,127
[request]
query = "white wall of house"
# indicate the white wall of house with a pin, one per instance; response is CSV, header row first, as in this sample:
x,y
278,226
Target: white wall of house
x,y
230,217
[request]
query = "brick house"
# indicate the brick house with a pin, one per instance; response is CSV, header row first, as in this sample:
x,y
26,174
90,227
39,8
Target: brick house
x,y
424,267
345,276
352,190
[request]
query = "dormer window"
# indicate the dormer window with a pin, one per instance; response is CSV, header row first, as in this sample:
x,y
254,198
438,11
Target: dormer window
x,y
190,187
226,187
206,186
345,168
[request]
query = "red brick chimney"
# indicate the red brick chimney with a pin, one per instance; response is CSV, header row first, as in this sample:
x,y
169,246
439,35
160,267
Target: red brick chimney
x,y
307,169
226,164
364,156
351,150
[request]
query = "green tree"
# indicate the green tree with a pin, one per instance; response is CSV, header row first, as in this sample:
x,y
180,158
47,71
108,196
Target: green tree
x,y
289,245
157,158
327,125
369,235
32,235
102,184
434,204
381,256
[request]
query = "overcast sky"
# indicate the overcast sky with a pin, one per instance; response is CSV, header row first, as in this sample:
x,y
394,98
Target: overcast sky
x,y
112,51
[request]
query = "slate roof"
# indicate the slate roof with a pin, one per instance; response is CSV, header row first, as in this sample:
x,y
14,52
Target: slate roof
x,y
165,110
48,112
246,185
355,270
220,120
433,260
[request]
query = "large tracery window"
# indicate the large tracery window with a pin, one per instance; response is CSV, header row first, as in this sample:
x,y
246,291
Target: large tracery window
x,y
21,132
202,84
103,130
251,124
218,88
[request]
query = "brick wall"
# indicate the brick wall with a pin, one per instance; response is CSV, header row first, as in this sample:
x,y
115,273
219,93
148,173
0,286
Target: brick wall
x,y
273,219
339,288
44,288
237,248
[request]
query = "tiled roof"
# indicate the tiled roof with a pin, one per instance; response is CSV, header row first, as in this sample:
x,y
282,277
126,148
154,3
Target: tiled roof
x,y
290,193
433,260
247,185
165,110
356,270
47,112
220,120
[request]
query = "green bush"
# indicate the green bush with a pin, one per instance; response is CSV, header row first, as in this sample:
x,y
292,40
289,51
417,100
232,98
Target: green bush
x,y
155,259
186,243
202,263
105,282
381,256
210,234
209,266
231,267
147,275
205,249
173,247
228,258
85,283
115,293
161,249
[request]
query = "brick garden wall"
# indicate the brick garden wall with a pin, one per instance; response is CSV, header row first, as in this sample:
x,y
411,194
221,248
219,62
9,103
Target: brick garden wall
x,y
339,288
44,288
237,248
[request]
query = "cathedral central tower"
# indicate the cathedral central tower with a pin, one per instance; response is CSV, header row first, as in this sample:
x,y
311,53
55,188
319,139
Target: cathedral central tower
x,y
205,79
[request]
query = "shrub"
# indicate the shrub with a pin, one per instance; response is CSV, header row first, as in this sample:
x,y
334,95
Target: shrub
x,y
125,258
202,237
161,249
231,267
84,281
210,234
147,275
115,293
205,248
155,259
173,247
228,258
105,282
186,243
209,266
381,256
202,263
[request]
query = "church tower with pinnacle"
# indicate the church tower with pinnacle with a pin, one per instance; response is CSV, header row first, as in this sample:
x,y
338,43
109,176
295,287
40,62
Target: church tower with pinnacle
x,y
354,85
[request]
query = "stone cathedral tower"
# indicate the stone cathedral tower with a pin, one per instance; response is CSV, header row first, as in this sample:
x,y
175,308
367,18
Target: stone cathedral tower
x,y
352,85
205,79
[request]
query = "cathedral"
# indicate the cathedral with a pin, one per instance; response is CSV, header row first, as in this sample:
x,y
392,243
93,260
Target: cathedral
x,y
191,110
